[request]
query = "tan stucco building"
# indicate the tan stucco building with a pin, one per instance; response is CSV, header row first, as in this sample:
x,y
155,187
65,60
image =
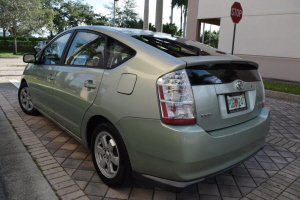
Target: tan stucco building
x,y
269,32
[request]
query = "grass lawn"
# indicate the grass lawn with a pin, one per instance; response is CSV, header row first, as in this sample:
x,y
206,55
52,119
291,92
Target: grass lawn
x,y
282,87
10,54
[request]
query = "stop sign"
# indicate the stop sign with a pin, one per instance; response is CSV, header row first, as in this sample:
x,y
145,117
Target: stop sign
x,y
236,12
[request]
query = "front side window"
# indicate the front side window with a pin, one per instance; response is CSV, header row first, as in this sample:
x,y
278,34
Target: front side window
x,y
117,53
53,53
86,49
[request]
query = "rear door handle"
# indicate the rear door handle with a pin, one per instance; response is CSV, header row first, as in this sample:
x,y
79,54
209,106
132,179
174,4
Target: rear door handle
x,y
89,84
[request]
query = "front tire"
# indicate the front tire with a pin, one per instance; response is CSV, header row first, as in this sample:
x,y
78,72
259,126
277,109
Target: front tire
x,y
110,156
25,100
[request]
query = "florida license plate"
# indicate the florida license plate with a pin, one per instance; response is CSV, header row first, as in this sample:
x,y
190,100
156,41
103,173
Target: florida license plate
x,y
236,102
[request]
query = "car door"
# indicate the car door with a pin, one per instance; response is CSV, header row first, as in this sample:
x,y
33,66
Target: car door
x,y
41,74
77,81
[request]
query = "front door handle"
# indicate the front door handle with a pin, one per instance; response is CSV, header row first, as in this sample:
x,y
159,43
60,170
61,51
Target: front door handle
x,y
50,78
89,84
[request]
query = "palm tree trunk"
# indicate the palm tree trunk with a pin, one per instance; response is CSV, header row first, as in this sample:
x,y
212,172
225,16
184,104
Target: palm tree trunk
x,y
181,18
159,15
146,15
171,17
184,21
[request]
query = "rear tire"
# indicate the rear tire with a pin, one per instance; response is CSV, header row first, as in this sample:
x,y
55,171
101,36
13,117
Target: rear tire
x,y
25,100
110,156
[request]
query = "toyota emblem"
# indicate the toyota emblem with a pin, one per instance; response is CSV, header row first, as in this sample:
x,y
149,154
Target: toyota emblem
x,y
239,85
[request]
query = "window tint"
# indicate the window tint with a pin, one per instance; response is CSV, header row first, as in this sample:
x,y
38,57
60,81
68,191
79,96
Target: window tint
x,y
52,54
170,46
86,49
117,53
221,73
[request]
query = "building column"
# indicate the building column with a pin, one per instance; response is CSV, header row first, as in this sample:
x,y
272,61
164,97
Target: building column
x,y
159,15
192,25
146,15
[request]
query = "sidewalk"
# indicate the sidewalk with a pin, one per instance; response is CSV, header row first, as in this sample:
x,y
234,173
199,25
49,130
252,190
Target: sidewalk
x,y
19,176
11,70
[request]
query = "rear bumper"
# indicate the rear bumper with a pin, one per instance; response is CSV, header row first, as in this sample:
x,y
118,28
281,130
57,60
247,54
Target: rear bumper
x,y
177,184
189,154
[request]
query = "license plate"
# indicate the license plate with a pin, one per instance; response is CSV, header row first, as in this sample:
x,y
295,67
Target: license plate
x,y
236,102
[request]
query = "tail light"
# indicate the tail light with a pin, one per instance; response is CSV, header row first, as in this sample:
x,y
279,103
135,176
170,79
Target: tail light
x,y
176,98
263,92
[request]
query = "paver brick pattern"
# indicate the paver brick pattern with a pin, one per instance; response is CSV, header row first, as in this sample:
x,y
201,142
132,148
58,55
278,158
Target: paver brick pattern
x,y
282,148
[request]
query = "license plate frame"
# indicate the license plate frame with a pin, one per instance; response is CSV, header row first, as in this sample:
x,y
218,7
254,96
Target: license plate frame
x,y
235,102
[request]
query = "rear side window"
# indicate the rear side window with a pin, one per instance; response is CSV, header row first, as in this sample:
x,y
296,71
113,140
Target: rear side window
x,y
117,53
52,54
221,73
86,49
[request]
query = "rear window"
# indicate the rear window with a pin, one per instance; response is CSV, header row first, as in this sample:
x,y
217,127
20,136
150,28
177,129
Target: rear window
x,y
169,45
221,73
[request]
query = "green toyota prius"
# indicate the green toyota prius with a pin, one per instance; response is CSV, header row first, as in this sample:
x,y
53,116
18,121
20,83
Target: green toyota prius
x,y
148,104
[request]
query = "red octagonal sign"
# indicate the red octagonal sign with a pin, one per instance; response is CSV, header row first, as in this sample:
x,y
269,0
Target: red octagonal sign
x,y
236,12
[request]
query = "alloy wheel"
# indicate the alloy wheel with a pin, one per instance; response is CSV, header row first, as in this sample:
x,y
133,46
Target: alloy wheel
x,y
107,154
25,99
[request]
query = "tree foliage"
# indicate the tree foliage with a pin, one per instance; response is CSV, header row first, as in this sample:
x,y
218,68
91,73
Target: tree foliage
x,y
171,29
101,20
183,5
151,26
125,15
22,16
211,38
135,24
72,13
50,6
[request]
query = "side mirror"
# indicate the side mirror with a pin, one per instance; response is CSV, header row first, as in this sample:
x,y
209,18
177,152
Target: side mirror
x,y
29,58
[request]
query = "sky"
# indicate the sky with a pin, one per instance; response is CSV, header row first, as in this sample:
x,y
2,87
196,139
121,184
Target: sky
x,y
99,8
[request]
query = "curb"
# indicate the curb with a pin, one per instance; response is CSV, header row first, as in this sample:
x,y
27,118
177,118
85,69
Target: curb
x,y
20,176
13,57
283,96
61,182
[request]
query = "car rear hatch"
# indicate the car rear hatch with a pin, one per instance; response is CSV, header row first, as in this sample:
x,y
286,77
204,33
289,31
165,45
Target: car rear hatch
x,y
226,91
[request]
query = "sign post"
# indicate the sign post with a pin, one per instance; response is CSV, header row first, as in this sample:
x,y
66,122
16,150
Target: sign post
x,y
236,16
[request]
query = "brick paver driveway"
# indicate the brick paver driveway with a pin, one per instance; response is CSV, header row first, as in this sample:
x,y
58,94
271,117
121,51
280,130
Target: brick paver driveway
x,y
272,173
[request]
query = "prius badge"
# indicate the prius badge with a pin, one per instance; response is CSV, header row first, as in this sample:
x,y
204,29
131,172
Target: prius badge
x,y
239,85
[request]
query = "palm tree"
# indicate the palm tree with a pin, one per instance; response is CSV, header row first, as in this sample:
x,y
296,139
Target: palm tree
x,y
146,15
171,17
182,4
185,7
